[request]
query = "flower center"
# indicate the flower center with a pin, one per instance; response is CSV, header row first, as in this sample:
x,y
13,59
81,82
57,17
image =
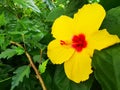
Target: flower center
x,y
79,42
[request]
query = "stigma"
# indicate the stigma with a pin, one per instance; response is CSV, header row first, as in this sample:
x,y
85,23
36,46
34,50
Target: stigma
x,y
79,42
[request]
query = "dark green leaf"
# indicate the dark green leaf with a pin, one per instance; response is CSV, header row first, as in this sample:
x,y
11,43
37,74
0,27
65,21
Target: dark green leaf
x,y
6,84
30,83
109,4
48,80
73,6
20,73
2,39
112,21
55,13
4,72
36,58
106,66
62,82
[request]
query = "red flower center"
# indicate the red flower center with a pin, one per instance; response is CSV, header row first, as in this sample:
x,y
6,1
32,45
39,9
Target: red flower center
x,y
78,42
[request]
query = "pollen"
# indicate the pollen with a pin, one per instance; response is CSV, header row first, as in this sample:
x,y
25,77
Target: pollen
x,y
79,42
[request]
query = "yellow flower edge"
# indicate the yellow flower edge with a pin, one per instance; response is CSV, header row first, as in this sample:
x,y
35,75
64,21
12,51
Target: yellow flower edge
x,y
76,39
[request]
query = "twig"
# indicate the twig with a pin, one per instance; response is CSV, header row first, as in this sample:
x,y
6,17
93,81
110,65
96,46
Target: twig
x,y
32,65
17,44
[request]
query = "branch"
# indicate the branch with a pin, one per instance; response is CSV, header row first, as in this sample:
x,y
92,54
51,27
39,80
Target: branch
x,y
32,65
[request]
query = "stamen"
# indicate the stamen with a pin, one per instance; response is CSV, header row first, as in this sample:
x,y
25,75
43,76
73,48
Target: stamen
x,y
78,42
62,42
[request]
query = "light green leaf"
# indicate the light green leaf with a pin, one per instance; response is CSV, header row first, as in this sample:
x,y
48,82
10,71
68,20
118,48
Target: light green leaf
x,y
19,33
2,19
55,13
93,1
61,1
19,50
27,4
106,66
42,67
8,53
20,73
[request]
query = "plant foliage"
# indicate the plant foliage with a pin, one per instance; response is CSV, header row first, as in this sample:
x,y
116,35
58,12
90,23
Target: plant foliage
x,y
25,27
21,72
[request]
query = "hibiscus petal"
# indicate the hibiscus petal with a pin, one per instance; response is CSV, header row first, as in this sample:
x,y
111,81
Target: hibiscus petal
x,y
89,18
78,67
63,28
58,53
102,39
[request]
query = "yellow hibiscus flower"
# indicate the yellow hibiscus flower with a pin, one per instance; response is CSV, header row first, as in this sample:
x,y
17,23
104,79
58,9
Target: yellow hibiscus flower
x,y
76,39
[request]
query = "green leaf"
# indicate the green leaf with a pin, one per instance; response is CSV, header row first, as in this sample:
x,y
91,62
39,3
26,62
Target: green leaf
x,y
48,80
4,72
109,4
6,84
49,3
61,81
61,1
8,53
55,13
19,33
106,66
112,21
42,67
27,4
21,72
19,50
73,6
93,1
30,83
2,39
2,19
36,58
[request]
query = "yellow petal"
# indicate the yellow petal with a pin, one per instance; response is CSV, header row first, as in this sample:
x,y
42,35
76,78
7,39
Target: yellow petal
x,y
78,68
102,39
58,53
89,18
62,28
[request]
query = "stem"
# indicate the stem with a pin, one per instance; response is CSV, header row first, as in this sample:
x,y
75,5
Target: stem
x,y
36,71
32,65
